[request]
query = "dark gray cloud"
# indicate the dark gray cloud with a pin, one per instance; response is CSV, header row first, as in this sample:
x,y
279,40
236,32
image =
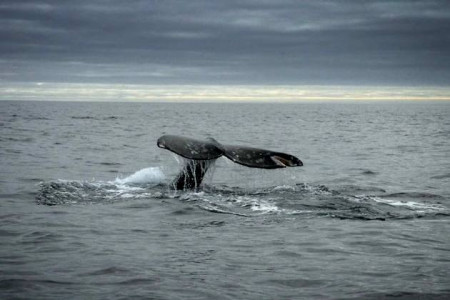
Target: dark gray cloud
x,y
226,42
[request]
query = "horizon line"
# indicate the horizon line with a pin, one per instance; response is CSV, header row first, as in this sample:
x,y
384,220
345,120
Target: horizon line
x,y
102,92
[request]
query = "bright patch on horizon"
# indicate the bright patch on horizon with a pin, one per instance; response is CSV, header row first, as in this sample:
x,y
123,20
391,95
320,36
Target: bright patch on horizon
x,y
210,93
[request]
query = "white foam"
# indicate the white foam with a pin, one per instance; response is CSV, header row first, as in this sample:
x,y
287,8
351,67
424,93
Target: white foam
x,y
147,175
410,204
257,204
284,188
265,207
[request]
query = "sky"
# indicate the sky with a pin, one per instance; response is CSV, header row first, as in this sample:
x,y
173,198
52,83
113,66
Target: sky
x,y
201,49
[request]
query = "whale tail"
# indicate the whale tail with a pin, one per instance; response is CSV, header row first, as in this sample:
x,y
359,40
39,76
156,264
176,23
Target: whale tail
x,y
201,154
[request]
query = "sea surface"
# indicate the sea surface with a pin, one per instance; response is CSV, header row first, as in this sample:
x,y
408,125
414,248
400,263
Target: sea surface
x,y
87,212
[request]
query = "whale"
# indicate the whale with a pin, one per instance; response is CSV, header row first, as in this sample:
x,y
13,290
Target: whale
x,y
200,155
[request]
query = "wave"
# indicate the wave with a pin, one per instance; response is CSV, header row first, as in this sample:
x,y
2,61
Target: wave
x,y
443,176
301,199
95,118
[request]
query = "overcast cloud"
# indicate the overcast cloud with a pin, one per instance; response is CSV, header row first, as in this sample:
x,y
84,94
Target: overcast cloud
x,y
226,42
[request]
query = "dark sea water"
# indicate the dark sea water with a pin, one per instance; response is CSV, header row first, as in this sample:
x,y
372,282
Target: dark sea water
x,y
86,211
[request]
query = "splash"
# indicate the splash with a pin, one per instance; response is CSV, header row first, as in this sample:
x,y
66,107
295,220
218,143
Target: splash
x,y
301,199
141,184
143,176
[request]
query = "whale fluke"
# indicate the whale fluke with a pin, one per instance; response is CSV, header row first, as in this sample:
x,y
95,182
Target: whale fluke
x,y
260,158
201,154
189,148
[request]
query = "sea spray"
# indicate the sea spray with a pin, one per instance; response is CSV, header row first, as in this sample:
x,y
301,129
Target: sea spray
x,y
146,175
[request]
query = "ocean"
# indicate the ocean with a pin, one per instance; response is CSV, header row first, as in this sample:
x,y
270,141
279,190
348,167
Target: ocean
x,y
87,212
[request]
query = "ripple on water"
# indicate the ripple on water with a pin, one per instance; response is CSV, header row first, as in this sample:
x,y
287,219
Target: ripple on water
x,y
295,282
40,237
14,284
401,295
108,271
443,176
